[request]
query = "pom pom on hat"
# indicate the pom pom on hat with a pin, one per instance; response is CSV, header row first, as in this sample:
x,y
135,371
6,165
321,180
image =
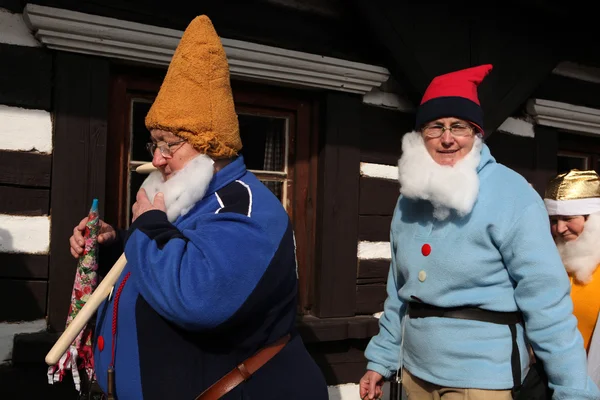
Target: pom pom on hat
x,y
195,101
454,95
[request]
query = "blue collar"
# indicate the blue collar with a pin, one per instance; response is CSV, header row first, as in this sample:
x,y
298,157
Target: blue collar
x,y
232,171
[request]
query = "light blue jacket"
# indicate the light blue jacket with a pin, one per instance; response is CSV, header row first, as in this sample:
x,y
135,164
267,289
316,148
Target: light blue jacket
x,y
500,257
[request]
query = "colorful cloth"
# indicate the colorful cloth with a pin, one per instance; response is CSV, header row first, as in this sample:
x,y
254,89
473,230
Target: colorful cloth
x,y
80,353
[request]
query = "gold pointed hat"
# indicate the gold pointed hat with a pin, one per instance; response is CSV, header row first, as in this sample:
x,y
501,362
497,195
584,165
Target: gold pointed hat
x,y
195,100
573,193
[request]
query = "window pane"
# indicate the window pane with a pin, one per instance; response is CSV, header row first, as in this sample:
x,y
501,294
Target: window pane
x,y
139,134
264,142
567,162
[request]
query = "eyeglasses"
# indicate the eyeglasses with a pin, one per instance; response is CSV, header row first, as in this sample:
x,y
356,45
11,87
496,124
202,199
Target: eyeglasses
x,y
457,130
164,147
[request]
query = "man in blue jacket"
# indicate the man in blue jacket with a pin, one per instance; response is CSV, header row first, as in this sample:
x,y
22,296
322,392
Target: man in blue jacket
x,y
210,286
475,276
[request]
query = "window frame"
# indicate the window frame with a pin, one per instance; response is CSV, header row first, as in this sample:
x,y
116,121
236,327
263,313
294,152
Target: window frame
x,y
580,145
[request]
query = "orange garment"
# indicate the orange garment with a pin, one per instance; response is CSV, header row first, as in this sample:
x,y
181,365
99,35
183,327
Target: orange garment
x,y
586,306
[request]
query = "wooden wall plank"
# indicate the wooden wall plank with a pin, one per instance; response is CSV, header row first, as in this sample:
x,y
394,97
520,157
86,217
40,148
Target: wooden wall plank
x,y
314,329
20,265
22,300
25,169
339,163
370,298
516,152
381,134
25,76
374,228
522,61
24,201
378,196
341,361
79,164
546,162
373,269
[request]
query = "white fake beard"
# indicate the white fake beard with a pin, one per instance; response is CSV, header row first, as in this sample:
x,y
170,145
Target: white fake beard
x,y
582,255
446,187
184,188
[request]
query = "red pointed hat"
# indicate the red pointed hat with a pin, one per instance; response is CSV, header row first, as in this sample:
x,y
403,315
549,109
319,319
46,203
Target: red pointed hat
x,y
454,95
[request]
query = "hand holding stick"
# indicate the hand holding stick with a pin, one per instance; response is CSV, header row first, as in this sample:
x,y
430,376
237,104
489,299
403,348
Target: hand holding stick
x,y
86,312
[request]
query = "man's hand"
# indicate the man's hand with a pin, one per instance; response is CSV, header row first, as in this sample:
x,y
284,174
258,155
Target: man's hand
x,y
106,235
371,385
143,204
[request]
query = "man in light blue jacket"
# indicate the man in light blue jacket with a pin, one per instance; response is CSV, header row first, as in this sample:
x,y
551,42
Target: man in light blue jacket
x,y
473,267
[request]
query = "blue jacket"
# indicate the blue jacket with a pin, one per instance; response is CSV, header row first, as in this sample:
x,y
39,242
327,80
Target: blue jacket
x,y
500,257
204,293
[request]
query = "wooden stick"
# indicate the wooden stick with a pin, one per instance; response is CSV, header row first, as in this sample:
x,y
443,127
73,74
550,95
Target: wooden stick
x,y
87,311
145,168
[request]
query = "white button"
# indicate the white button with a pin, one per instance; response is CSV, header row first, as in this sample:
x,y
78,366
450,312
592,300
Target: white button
x,y
422,276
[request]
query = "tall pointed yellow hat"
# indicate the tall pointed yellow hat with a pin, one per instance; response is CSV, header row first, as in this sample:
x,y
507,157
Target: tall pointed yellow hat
x,y
573,193
195,100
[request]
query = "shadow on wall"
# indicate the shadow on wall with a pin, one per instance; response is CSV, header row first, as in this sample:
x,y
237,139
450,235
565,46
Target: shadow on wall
x,y
5,241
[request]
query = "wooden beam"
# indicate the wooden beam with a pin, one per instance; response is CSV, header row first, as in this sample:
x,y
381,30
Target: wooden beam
x,y
25,76
339,166
19,265
340,361
79,164
523,53
23,300
378,269
370,298
378,196
403,63
314,329
381,134
546,162
374,228
24,201
25,169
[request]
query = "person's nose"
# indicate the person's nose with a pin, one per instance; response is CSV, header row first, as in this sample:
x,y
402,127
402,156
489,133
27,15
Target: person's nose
x,y
158,160
561,227
447,139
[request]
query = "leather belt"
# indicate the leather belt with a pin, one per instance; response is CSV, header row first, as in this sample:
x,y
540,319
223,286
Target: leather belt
x,y
244,371
511,319
422,310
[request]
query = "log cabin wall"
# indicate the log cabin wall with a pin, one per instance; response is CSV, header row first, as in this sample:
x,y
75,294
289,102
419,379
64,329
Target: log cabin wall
x,y
26,150
359,145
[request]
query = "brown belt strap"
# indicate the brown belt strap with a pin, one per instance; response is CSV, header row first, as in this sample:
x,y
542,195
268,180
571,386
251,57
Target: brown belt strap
x,y
243,371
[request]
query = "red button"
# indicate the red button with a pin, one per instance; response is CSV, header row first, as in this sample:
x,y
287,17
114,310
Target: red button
x,y
100,343
426,250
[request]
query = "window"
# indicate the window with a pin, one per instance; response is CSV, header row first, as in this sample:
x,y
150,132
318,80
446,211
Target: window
x,y
577,152
265,139
568,160
278,132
